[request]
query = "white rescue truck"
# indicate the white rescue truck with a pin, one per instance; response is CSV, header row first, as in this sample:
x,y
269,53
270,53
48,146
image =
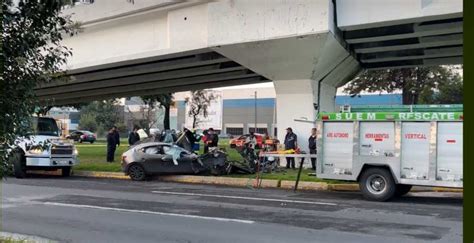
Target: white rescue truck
x,y
388,152
42,148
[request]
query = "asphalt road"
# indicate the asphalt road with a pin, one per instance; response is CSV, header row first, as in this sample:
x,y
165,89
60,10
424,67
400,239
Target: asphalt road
x,y
95,210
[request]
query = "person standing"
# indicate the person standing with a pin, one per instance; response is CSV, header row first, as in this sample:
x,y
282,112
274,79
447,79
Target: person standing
x,y
111,145
312,147
134,136
211,140
117,136
290,143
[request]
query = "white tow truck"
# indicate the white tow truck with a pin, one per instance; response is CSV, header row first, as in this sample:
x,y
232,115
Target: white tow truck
x,y
42,148
389,152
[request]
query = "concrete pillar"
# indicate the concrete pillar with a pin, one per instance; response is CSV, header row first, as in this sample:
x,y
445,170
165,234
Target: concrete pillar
x,y
295,99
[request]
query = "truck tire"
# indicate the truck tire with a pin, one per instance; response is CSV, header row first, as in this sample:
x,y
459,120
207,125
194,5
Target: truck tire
x,y
66,171
19,164
402,190
377,184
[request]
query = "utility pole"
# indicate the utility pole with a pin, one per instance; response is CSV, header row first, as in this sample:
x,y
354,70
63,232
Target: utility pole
x,y
255,129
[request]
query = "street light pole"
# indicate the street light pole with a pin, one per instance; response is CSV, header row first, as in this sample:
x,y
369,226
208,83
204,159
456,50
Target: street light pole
x,y
255,129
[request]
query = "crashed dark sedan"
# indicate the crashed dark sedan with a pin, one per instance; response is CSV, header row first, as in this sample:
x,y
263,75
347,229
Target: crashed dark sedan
x,y
158,158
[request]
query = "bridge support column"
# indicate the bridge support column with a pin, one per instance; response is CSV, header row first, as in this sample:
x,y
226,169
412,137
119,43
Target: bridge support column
x,y
295,103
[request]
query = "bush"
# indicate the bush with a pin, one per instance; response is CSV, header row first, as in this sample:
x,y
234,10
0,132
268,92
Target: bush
x,y
87,122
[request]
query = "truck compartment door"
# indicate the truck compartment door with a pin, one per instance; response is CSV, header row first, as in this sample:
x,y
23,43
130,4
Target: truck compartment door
x,y
415,150
377,139
338,147
450,151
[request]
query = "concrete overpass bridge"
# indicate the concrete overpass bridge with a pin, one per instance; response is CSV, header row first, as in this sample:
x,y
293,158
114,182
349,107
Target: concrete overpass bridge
x,y
307,48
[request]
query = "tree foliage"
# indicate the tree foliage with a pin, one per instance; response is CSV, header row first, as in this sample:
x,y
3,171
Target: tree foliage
x,y
413,82
198,104
32,54
87,122
449,92
103,113
163,101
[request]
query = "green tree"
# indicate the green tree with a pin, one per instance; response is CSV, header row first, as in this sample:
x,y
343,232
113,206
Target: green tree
x,y
198,104
449,92
32,54
87,122
411,81
103,113
163,101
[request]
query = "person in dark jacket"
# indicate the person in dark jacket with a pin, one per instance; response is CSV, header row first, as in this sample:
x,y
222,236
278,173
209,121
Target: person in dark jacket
x,y
290,143
134,137
312,147
111,145
212,140
117,136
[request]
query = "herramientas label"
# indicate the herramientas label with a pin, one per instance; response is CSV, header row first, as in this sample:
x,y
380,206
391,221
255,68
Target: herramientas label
x,y
385,116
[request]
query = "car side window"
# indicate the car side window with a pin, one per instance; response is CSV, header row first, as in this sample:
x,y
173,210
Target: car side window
x,y
156,149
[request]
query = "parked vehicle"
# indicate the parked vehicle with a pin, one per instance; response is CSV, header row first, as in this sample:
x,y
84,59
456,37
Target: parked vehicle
x,y
82,136
43,149
239,141
389,152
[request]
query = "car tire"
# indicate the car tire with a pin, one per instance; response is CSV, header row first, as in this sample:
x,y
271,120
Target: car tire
x,y
66,171
402,190
137,172
377,184
80,140
19,164
92,142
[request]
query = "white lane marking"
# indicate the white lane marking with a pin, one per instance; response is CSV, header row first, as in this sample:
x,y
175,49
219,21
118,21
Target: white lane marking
x,y
246,198
149,212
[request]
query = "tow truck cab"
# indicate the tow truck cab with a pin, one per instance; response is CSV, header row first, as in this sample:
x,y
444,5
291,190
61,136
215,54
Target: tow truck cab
x,y
42,148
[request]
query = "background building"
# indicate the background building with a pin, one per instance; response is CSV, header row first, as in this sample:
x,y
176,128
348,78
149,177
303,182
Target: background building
x,y
239,105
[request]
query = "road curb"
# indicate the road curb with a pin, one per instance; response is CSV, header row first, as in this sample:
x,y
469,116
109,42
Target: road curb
x,y
250,182
25,238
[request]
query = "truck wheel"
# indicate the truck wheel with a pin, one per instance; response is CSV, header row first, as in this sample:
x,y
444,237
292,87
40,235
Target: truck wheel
x,y
66,171
377,184
402,190
19,164
136,172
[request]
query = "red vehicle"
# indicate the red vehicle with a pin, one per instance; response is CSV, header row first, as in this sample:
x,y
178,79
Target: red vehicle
x,y
239,141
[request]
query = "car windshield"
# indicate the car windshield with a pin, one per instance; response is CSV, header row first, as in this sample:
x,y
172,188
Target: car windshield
x,y
43,126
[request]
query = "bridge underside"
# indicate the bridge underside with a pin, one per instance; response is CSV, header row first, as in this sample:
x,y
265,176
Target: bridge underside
x,y
185,71
424,43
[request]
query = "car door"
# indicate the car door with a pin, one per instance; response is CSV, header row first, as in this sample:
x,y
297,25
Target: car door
x,y
151,158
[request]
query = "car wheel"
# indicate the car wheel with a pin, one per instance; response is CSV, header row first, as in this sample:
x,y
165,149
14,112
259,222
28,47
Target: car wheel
x,y
66,171
402,190
92,142
377,184
80,140
19,164
136,172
